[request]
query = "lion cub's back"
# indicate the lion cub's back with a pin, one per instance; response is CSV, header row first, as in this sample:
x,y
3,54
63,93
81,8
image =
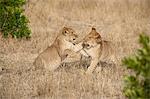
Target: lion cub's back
x,y
108,51
48,59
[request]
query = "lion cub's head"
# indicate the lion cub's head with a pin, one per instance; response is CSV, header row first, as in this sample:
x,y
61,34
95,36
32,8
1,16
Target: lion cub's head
x,y
92,39
69,34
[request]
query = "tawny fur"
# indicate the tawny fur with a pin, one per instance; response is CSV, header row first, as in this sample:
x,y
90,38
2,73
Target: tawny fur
x,y
54,55
97,49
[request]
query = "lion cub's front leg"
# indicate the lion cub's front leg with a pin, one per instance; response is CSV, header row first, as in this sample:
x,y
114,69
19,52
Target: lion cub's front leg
x,y
71,56
92,66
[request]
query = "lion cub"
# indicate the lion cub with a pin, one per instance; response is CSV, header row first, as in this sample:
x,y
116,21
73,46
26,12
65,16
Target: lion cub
x,y
97,49
53,56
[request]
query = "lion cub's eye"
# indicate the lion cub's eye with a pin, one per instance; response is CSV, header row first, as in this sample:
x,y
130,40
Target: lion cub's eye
x,y
65,31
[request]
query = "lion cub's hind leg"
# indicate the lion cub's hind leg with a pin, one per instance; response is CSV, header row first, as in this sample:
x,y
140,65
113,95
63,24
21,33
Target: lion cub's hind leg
x,y
38,64
49,59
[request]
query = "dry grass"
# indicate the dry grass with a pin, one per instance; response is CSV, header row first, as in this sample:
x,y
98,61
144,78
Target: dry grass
x,y
120,21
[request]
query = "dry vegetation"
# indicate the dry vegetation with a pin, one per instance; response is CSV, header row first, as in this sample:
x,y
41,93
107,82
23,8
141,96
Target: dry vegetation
x,y
120,21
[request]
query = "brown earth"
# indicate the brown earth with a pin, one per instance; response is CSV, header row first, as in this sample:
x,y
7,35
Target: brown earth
x,y
119,21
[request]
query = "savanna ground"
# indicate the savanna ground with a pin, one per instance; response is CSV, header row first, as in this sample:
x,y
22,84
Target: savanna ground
x,y
119,21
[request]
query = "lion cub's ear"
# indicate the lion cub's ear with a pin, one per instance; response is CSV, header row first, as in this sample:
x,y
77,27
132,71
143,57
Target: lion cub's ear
x,y
96,36
93,28
99,39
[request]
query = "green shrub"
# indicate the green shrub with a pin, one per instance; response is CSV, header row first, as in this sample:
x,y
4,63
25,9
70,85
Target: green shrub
x,y
12,20
137,86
